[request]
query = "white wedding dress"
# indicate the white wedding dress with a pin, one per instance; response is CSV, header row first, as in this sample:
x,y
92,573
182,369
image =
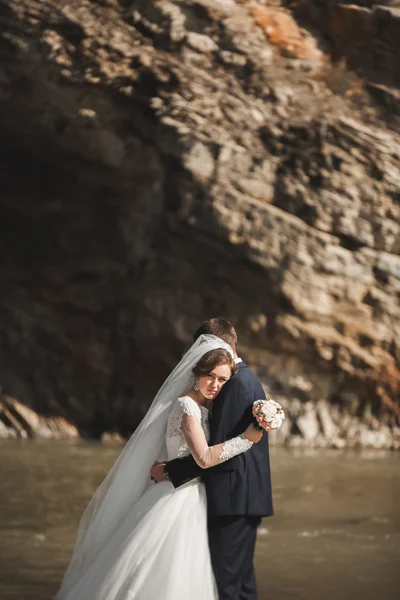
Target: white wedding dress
x,y
160,550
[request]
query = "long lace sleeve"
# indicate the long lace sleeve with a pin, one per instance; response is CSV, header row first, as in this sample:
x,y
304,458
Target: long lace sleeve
x,y
209,456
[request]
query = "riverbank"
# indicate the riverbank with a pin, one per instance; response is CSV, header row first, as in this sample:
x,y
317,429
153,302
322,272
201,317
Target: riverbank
x,y
307,425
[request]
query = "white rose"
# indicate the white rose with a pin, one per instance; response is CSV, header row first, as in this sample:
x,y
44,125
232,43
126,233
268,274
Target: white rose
x,y
277,420
269,410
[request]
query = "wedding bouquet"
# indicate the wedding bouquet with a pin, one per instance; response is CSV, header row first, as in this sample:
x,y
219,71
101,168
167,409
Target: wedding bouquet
x,y
268,414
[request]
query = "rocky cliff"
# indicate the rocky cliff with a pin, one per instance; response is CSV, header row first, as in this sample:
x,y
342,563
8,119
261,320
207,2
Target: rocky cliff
x,y
165,161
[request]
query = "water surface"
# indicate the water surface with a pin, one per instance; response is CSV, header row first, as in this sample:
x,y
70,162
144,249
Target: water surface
x,y
335,533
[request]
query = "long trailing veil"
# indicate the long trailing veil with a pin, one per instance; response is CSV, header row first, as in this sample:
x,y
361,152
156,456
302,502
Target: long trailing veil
x,y
129,477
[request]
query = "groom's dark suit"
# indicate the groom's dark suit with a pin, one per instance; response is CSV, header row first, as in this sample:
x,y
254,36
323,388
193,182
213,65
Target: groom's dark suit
x,y
238,491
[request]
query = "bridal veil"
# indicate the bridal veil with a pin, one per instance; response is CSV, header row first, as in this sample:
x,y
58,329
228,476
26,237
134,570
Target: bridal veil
x,y
129,477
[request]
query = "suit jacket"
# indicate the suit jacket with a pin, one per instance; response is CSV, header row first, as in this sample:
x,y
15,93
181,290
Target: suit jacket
x,y
242,485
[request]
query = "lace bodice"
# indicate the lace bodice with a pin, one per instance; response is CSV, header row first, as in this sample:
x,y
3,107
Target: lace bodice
x,y
188,433
175,439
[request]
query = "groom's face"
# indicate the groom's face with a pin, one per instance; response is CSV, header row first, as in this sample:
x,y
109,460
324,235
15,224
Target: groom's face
x,y
210,385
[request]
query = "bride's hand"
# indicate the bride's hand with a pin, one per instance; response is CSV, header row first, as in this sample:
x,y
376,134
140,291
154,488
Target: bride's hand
x,y
252,434
157,472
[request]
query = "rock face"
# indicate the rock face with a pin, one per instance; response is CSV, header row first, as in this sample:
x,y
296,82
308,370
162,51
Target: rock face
x,y
365,32
166,161
17,420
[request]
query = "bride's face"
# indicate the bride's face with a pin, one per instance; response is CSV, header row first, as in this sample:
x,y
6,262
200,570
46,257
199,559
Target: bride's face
x,y
211,384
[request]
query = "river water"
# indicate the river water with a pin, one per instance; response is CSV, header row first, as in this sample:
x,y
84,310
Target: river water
x,y
335,533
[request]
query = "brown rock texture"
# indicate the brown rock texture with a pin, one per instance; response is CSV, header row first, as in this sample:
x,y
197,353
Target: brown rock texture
x,y
365,32
284,33
17,420
163,162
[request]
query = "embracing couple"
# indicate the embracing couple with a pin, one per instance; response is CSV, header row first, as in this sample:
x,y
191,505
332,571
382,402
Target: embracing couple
x,y
188,532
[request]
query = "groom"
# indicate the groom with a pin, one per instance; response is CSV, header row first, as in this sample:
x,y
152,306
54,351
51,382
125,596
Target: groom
x,y
239,490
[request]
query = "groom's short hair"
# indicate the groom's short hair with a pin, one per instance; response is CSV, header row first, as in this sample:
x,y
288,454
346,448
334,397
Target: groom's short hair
x,y
222,328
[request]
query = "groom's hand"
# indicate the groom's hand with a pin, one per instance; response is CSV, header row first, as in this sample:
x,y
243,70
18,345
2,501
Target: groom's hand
x,y
157,472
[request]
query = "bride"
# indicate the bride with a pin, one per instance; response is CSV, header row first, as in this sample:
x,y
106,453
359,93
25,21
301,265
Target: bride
x,y
142,541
